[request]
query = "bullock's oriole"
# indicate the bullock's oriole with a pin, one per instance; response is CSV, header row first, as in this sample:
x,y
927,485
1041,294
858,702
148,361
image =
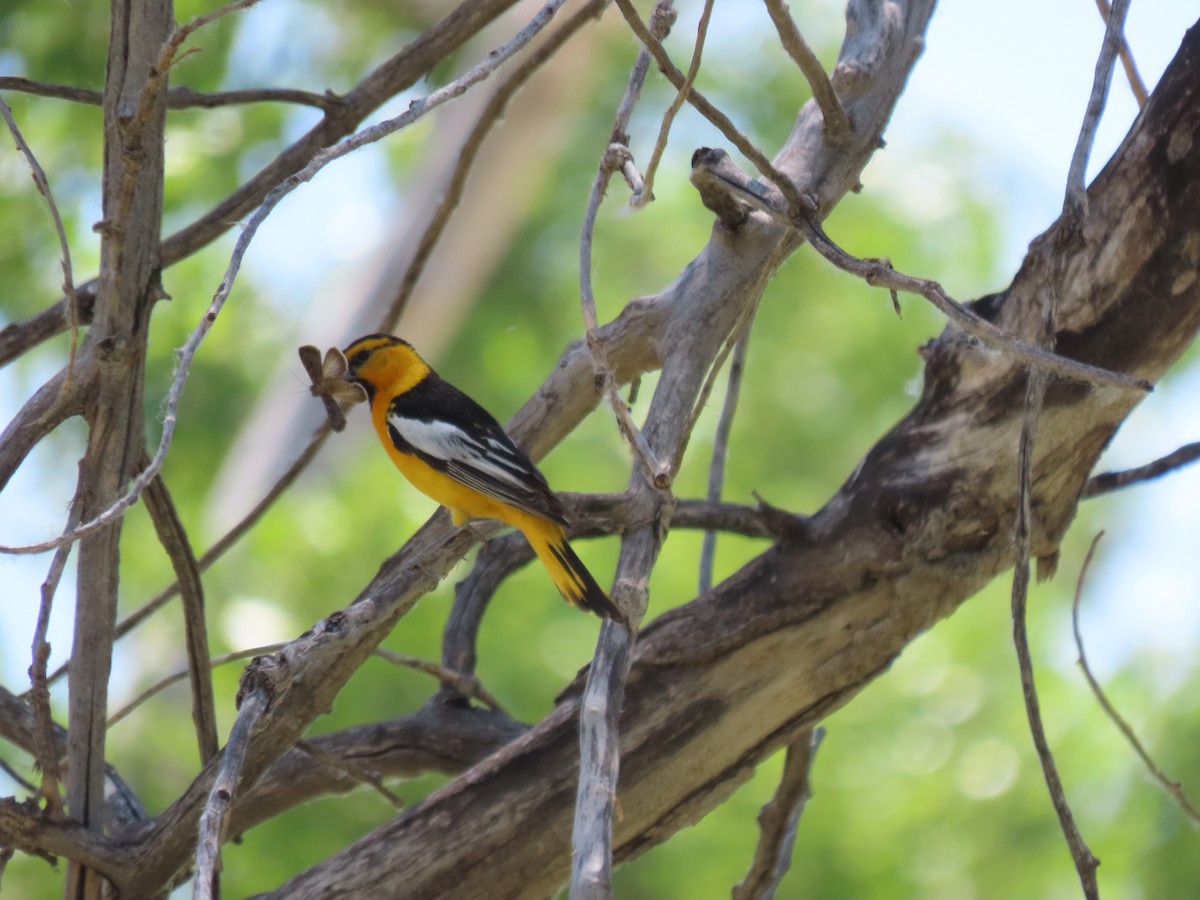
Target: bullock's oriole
x,y
453,451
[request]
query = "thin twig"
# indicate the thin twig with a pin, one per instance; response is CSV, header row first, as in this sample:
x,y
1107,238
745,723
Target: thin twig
x,y
47,748
837,123
178,97
356,772
599,764
716,469
175,677
1076,193
463,682
723,123
43,186
1035,392
714,168
779,819
215,819
646,193
416,110
1131,72
1172,787
174,540
1106,482
615,156
1085,862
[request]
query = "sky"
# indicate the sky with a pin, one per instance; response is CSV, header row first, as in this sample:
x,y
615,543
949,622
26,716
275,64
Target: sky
x,y
1012,76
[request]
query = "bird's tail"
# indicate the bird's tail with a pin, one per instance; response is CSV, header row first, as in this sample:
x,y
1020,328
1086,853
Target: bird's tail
x,y
568,572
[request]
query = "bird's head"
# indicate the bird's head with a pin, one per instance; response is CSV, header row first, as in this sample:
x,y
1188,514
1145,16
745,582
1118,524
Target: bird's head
x,y
381,362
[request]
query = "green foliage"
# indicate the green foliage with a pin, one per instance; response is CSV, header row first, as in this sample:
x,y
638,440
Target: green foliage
x,y
926,785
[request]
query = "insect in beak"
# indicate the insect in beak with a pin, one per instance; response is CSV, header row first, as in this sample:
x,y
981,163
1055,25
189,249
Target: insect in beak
x,y
329,382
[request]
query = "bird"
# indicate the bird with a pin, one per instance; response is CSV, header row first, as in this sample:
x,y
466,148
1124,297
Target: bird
x,y
453,451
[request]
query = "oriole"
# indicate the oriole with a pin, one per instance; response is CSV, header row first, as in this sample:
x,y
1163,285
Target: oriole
x,y
453,451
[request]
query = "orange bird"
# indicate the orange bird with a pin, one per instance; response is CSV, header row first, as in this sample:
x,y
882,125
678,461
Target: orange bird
x,y
453,451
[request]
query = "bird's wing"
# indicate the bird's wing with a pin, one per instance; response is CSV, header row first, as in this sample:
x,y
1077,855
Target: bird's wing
x,y
454,435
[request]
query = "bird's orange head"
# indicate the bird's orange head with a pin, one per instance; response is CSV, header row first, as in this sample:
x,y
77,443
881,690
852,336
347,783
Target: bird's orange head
x,y
384,364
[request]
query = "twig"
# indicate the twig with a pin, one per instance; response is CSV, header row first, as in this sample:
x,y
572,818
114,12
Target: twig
x,y
646,193
599,764
174,540
714,168
1106,482
779,819
837,123
415,111
655,471
1076,194
47,748
364,776
1035,391
178,97
175,677
716,469
1172,787
723,123
215,818
1131,73
463,682
43,186
616,155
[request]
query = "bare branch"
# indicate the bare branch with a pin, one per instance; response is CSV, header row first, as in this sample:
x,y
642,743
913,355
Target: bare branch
x,y
716,469
175,677
181,96
1131,73
645,193
837,123
1172,787
779,819
709,111
599,763
465,683
1076,194
43,186
18,337
214,821
48,753
1107,482
713,168
352,770
1047,294
655,471
45,89
174,540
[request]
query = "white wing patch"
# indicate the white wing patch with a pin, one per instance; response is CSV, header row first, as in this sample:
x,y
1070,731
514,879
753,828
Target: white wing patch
x,y
445,441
